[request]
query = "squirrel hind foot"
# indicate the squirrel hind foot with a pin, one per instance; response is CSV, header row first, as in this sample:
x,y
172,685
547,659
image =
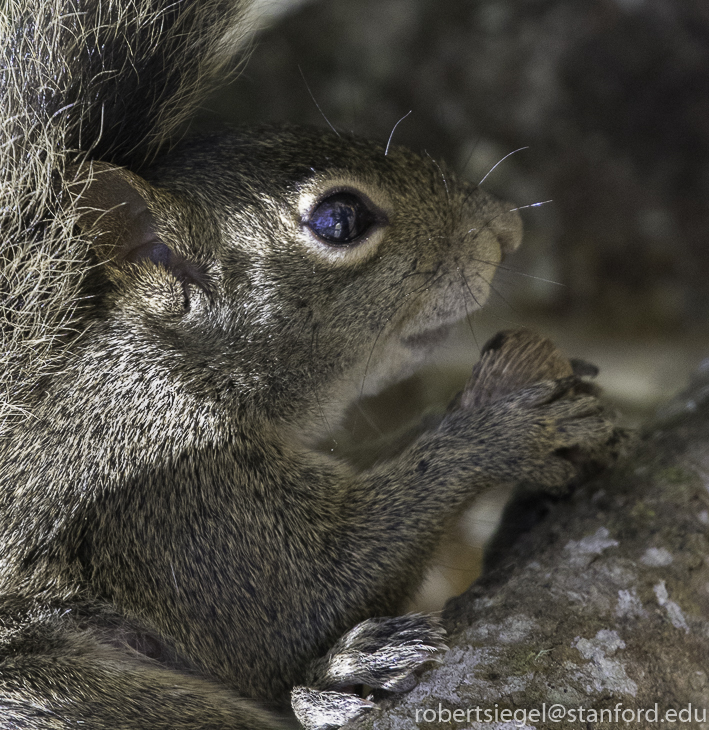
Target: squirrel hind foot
x,y
326,709
381,653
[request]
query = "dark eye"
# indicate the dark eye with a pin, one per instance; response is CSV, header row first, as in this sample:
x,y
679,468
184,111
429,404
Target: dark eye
x,y
341,219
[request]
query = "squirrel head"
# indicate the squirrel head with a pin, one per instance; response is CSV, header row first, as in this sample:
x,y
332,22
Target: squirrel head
x,y
260,266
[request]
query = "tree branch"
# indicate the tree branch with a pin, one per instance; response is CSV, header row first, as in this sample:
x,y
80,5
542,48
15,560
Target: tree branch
x,y
601,608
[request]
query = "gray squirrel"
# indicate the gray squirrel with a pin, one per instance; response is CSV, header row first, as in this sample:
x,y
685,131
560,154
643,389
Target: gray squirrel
x,y
180,321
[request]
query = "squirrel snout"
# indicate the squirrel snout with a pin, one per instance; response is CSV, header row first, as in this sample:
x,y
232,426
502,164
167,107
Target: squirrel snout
x,y
484,222
488,223
499,217
507,228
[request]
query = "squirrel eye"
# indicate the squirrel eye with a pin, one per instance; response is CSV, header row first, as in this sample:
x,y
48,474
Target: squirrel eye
x,y
341,219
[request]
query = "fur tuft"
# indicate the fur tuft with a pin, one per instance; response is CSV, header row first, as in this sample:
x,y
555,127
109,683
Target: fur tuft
x,y
60,105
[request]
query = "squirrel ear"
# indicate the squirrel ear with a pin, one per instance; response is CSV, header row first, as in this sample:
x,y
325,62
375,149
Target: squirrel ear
x,y
112,207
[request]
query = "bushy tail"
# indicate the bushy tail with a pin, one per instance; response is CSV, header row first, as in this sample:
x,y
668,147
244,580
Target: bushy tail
x,y
97,79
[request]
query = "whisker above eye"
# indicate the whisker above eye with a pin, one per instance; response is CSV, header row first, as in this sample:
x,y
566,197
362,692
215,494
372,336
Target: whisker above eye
x,y
386,151
470,156
443,177
490,171
315,101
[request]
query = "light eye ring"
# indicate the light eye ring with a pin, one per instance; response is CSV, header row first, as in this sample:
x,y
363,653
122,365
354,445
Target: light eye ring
x,y
343,217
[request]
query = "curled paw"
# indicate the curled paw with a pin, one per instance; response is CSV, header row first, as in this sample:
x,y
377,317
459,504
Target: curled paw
x,y
539,411
381,653
326,709
514,359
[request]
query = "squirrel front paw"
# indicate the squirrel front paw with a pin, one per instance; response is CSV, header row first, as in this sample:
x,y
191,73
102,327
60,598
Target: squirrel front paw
x,y
515,359
542,423
381,653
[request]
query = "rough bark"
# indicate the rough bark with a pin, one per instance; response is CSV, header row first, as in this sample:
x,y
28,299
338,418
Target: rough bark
x,y
601,605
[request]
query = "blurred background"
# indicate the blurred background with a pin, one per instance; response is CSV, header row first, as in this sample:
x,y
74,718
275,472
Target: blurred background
x,y
605,105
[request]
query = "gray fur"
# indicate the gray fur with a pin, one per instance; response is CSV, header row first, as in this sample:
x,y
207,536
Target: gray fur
x,y
172,542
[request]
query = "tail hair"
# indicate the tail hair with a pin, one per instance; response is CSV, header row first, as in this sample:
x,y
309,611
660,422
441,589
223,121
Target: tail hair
x,y
80,80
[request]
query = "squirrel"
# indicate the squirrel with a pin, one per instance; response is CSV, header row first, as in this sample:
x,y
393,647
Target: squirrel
x,y
182,317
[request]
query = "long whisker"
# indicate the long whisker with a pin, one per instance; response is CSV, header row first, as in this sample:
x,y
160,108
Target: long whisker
x,y
470,156
443,177
467,311
315,101
498,292
485,225
476,188
502,267
475,299
489,172
370,421
418,273
470,291
386,151
531,205
431,280
313,348
513,210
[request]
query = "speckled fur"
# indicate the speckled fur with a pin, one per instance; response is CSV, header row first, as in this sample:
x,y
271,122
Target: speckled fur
x,y
171,540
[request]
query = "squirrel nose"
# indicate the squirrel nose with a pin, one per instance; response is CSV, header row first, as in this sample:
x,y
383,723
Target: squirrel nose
x,y
507,228
497,216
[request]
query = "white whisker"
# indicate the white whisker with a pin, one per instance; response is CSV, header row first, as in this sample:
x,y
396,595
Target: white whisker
x,y
502,160
531,205
315,101
386,151
443,177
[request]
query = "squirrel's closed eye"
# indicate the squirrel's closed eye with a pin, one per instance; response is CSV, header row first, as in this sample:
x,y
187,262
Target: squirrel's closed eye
x,y
341,219
155,251
160,254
